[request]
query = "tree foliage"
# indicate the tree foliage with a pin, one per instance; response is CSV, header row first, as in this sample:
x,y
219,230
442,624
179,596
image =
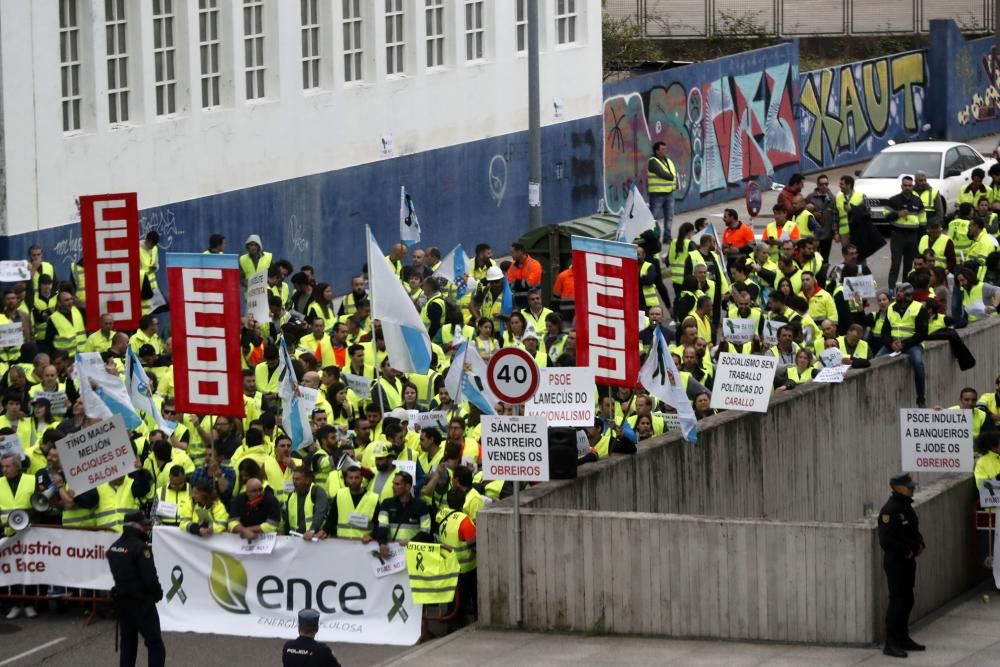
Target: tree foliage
x,y
625,44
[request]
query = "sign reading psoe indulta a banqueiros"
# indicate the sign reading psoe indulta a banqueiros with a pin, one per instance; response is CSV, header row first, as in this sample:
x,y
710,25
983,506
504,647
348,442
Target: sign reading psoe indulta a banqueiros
x,y
211,587
936,440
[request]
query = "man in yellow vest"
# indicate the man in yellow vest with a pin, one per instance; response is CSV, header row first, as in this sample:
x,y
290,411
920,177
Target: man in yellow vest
x,y
67,330
457,531
661,182
936,241
39,267
847,200
987,471
255,259
352,511
149,264
903,211
928,197
402,518
905,333
306,506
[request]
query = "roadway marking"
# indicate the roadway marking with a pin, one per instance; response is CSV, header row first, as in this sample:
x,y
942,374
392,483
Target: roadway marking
x,y
34,650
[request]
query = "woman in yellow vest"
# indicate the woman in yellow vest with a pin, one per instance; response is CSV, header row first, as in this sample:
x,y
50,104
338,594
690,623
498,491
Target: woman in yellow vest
x,y
803,371
978,299
486,345
515,328
876,321
321,306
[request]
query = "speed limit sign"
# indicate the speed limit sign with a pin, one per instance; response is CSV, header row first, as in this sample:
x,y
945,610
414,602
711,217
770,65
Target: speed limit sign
x,y
512,375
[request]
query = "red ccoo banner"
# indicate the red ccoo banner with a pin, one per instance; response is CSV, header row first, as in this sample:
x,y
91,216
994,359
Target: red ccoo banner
x,y
606,279
109,231
205,312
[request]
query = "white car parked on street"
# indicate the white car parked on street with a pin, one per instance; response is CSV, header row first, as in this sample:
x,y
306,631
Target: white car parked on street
x,y
948,166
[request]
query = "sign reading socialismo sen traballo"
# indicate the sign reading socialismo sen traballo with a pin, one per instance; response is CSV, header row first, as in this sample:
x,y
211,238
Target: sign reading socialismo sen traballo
x,y
210,587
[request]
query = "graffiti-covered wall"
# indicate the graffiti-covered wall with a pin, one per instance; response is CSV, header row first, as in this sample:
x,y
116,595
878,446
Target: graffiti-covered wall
x,y
966,79
850,112
725,122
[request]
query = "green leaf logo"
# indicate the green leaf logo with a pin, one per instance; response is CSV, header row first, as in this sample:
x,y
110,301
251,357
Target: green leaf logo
x,y
228,584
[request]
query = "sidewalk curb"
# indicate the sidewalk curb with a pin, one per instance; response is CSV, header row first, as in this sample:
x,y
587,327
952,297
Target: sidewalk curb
x,y
427,648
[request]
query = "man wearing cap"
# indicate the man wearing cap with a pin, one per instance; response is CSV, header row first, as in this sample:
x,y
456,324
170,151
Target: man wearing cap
x,y
136,591
899,536
488,299
305,651
254,260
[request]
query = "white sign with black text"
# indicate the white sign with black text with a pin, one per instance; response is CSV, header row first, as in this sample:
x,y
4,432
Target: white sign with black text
x,y
565,397
936,440
257,295
96,454
515,449
744,382
11,335
738,329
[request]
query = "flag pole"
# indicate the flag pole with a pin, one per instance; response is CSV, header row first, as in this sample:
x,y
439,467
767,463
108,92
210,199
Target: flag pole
x,y
371,291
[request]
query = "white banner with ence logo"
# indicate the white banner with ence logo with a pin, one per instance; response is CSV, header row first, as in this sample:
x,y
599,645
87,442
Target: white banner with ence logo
x,y
209,586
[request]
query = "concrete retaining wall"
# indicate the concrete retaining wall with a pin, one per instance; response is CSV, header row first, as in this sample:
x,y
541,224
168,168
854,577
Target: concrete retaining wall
x,y
795,556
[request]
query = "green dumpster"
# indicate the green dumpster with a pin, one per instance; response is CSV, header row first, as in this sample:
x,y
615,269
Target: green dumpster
x,y
550,245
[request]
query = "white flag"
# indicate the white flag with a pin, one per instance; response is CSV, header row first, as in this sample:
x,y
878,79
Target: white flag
x,y
409,226
138,390
466,381
104,395
660,377
635,217
453,266
296,402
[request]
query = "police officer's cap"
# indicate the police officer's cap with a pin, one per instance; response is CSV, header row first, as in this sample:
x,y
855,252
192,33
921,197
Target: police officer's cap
x,y
903,479
136,516
309,617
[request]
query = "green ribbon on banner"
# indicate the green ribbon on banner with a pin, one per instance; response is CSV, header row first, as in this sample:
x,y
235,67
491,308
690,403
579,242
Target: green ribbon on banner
x,y
398,598
176,580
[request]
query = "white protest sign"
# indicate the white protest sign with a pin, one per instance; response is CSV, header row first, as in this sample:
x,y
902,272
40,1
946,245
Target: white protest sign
x,y
57,401
395,562
515,449
96,454
936,440
832,374
771,328
262,544
11,444
257,297
744,382
13,270
989,493
738,329
11,335
433,419
831,357
407,467
57,557
671,422
582,443
863,286
565,397
359,384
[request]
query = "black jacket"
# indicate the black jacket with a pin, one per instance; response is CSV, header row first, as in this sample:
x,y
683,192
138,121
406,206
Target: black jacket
x,y
137,588
898,529
307,652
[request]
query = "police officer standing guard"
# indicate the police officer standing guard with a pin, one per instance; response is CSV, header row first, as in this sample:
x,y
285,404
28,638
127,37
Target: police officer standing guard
x,y
306,651
899,535
136,591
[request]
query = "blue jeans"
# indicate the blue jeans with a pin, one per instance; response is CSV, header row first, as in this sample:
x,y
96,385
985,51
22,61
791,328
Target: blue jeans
x,y
662,208
916,355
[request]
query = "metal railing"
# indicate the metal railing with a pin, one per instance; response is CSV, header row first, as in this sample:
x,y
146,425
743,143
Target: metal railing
x,y
798,18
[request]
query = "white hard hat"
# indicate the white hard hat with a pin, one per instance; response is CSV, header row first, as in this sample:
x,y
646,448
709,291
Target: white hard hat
x,y
494,273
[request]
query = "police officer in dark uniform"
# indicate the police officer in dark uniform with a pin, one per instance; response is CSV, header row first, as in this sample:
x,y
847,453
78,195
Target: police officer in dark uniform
x,y
899,535
306,651
136,591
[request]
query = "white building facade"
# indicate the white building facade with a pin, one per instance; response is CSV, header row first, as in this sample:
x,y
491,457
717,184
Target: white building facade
x,y
294,119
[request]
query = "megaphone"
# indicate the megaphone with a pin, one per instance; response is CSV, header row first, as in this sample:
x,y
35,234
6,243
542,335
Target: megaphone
x,y
18,520
41,501
346,461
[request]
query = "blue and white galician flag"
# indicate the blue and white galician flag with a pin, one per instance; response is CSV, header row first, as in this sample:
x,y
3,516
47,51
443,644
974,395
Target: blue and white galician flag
x,y
296,406
409,226
466,381
406,339
454,266
141,395
635,217
660,377
103,394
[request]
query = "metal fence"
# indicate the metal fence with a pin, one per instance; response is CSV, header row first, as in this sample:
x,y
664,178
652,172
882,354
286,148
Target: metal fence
x,y
799,18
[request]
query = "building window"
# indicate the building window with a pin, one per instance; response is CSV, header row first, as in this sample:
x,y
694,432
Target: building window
x,y
565,21
521,25
353,51
253,48
434,20
115,27
208,46
474,29
69,64
395,41
310,44
163,57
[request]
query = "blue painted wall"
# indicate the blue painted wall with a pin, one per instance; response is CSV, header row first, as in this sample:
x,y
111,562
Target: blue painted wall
x,y
474,192
725,121
850,112
965,76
